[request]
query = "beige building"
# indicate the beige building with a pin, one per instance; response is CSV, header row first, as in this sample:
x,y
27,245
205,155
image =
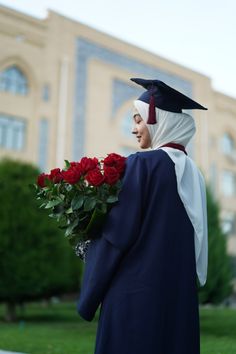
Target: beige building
x,y
65,93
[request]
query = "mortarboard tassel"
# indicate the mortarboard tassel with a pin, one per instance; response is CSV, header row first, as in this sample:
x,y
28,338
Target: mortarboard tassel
x,y
152,111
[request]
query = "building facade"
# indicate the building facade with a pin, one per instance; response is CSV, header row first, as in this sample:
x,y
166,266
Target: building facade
x,y
65,93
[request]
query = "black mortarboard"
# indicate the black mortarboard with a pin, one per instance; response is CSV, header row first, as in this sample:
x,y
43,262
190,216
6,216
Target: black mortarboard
x,y
160,95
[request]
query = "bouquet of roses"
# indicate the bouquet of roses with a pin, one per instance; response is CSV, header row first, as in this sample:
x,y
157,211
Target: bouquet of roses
x,y
80,196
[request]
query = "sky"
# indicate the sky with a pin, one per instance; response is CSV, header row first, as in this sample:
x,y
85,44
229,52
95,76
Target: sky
x,y
198,34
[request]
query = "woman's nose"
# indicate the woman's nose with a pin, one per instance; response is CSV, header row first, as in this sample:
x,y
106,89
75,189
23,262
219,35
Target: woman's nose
x,y
134,130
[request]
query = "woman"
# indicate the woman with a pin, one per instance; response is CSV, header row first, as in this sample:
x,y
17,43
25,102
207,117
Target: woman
x,y
143,269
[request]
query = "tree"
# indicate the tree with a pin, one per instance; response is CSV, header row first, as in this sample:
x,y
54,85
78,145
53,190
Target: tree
x,y
35,259
219,278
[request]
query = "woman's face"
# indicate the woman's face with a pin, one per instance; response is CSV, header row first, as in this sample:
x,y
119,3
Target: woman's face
x,y
141,131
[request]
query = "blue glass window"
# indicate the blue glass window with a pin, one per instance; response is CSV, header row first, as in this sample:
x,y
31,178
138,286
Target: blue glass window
x,y
46,93
228,184
43,144
12,132
228,222
14,81
227,144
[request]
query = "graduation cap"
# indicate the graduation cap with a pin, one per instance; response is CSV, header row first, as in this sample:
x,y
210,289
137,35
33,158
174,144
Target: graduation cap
x,y
160,95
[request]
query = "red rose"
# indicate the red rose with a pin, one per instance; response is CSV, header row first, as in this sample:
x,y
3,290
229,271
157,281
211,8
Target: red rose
x,y
95,177
55,175
74,164
41,180
72,175
88,164
116,161
111,175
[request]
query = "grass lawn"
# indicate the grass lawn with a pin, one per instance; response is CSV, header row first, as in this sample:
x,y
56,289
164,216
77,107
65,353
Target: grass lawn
x,y
57,329
218,331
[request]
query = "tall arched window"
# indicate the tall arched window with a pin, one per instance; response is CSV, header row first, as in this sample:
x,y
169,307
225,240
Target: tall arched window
x,y
13,80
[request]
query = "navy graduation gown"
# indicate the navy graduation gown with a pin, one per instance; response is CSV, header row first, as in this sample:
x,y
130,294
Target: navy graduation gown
x,y
142,270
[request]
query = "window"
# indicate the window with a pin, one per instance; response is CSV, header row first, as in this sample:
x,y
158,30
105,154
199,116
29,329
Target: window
x,y
43,144
46,93
13,80
228,222
12,132
228,183
227,144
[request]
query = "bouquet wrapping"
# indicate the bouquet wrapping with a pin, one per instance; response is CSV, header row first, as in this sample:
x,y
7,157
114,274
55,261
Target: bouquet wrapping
x,y
80,196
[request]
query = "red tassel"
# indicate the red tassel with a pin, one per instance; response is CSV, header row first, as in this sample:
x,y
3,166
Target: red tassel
x,y
152,111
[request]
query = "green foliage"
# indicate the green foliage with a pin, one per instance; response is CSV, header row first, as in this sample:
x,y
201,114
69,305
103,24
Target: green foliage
x,y
35,259
79,202
218,285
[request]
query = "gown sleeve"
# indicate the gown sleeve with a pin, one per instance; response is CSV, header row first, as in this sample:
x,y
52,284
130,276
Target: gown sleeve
x,y
119,233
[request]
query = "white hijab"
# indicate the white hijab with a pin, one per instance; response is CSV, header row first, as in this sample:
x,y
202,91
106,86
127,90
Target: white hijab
x,y
179,128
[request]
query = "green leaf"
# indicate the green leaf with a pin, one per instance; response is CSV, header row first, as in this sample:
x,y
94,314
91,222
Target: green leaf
x,y
71,227
54,190
49,184
62,227
61,196
53,215
52,203
104,208
33,186
67,164
77,202
112,199
69,211
96,221
58,209
89,204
